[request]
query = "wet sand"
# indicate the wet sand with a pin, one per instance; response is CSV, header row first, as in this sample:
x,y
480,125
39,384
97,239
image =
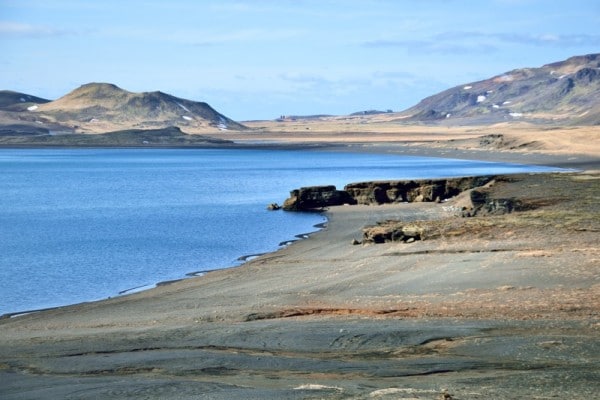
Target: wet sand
x,y
493,307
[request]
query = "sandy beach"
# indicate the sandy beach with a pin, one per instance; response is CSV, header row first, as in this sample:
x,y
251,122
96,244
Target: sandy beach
x,y
496,306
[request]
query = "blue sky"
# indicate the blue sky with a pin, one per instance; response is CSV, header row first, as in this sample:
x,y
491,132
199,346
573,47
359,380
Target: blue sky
x,y
260,59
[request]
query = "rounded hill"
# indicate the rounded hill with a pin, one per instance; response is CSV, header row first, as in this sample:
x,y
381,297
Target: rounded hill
x,y
103,107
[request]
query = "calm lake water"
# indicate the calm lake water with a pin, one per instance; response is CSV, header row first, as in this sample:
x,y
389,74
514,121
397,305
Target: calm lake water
x,y
86,224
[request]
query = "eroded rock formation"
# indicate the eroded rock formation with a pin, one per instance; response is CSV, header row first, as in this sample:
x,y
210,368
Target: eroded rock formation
x,y
315,197
381,192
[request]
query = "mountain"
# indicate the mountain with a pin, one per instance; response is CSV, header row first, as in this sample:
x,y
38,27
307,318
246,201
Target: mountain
x,y
104,107
15,101
564,92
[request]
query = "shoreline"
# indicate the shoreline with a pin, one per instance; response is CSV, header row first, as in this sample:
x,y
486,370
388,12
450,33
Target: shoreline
x,y
566,162
406,148
492,307
388,148
243,259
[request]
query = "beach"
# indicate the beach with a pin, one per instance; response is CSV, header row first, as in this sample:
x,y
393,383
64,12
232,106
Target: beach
x,y
495,306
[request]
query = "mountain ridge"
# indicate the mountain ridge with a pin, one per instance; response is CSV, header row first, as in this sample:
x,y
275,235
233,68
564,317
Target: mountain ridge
x,y
563,91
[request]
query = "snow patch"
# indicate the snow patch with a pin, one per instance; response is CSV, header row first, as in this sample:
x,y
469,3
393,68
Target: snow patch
x,y
32,108
448,115
506,102
187,118
481,98
490,91
182,106
93,120
468,87
222,124
22,100
515,114
495,106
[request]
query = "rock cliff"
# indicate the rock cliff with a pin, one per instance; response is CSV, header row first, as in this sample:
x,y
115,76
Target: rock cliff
x,y
381,192
314,197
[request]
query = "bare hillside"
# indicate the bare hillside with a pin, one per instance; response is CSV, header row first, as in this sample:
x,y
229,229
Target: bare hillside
x,y
16,101
101,107
104,107
562,92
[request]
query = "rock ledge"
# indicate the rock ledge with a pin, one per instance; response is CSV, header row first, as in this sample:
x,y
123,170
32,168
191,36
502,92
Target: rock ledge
x,y
381,192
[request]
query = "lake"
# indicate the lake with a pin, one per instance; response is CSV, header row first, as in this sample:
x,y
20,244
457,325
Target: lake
x,y
85,224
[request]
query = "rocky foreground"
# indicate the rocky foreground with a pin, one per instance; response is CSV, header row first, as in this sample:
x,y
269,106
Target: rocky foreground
x,y
496,305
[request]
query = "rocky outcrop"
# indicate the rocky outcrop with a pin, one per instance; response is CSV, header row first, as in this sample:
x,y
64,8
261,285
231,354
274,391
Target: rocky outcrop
x,y
315,197
393,231
484,204
273,207
381,192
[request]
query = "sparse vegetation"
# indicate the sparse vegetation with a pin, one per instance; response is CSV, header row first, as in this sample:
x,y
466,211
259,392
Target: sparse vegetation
x,y
554,210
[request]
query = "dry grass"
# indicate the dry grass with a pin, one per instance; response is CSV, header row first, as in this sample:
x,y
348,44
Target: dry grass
x,y
521,137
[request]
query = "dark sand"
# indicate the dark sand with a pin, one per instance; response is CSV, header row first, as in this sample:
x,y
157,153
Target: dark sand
x,y
504,307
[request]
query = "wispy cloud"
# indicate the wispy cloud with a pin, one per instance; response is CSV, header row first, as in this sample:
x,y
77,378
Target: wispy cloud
x,y
10,29
544,39
434,45
200,38
465,42
567,40
304,78
353,83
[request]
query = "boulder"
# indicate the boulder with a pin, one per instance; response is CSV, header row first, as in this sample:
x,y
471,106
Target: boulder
x,y
273,207
393,231
483,204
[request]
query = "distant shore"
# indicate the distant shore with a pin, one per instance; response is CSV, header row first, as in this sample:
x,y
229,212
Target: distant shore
x,y
568,160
